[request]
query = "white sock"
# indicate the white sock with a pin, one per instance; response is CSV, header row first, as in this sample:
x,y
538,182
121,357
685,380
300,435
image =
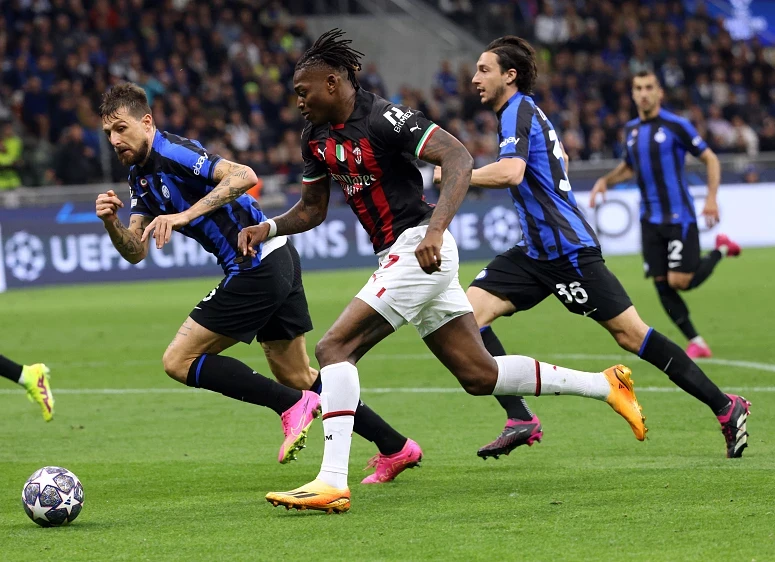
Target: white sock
x,y
519,375
724,249
699,341
340,394
21,377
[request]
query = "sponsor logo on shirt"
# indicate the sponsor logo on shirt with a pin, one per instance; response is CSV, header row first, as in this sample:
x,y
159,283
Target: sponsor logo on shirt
x,y
508,141
198,165
397,117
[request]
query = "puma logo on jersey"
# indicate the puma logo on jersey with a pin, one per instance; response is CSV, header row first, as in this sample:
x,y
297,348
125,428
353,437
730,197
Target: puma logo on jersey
x,y
415,128
322,152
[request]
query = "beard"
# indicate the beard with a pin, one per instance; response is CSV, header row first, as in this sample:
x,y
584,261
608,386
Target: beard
x,y
134,157
492,98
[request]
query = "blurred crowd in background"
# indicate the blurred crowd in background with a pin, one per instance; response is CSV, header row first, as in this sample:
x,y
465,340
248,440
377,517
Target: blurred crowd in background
x,y
220,72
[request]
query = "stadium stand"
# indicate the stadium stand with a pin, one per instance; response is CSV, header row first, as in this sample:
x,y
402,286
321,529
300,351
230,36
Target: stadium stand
x,y
220,72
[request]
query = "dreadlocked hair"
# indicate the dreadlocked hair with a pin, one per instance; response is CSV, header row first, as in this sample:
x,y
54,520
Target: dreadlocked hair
x,y
332,51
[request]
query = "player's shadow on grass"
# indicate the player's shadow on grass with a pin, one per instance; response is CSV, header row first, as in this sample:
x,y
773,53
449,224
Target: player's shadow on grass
x,y
74,527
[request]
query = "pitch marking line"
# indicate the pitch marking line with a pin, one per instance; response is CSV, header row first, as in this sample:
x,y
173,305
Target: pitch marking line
x,y
397,390
769,367
753,365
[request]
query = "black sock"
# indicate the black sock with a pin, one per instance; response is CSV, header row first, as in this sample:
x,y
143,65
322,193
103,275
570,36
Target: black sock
x,y
666,356
317,386
515,406
706,267
370,426
234,379
10,370
676,309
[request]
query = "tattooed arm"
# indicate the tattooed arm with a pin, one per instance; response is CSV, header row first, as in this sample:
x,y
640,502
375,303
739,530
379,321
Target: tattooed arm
x,y
233,180
310,211
127,240
456,164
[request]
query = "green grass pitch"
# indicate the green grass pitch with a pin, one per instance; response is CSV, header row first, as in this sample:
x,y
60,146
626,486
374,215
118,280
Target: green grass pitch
x,y
176,474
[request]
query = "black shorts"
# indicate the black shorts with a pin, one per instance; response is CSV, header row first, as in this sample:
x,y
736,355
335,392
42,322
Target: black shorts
x,y
670,247
267,303
581,281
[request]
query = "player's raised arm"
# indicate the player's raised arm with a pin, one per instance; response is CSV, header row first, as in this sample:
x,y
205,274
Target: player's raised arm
x,y
310,211
232,181
127,240
622,172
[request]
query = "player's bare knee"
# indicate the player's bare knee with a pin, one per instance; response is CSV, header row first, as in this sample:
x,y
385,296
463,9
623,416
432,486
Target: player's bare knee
x,y
174,365
629,339
476,382
679,283
329,350
478,386
294,376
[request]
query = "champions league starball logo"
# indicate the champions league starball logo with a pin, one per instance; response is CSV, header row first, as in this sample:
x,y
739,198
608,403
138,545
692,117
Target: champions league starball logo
x,y
24,256
501,228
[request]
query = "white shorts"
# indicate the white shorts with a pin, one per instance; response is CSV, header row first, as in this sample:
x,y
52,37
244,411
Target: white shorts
x,y
403,293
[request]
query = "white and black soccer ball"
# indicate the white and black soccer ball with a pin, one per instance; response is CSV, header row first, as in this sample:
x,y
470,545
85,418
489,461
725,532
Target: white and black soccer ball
x,y
24,256
52,496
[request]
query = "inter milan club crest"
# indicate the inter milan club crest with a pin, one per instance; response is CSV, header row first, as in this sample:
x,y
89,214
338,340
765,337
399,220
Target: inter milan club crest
x,y
660,136
357,154
340,153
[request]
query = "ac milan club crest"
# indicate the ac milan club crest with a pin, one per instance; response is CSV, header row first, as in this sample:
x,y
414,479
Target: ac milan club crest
x,y
357,154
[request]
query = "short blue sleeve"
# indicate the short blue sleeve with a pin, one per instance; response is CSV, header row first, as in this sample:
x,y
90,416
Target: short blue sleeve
x,y
514,135
688,137
188,159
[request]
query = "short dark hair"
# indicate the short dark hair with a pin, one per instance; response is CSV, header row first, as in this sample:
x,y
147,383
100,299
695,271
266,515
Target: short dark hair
x,y
646,74
514,52
128,96
334,52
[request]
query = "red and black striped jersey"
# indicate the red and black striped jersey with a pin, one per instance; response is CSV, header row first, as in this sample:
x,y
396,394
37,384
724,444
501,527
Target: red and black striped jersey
x,y
371,157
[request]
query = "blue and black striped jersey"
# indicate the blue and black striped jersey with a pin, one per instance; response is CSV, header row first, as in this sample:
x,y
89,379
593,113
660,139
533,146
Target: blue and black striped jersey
x,y
178,173
552,224
656,150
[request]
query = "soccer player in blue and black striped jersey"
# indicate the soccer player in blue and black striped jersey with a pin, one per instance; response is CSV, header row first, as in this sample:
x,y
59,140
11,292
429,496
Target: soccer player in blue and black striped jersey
x,y
657,143
175,184
559,253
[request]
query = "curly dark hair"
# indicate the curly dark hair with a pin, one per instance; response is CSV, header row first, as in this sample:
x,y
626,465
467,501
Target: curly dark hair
x,y
514,52
332,51
128,96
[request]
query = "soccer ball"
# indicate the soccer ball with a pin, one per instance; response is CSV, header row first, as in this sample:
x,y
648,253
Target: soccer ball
x,y
52,496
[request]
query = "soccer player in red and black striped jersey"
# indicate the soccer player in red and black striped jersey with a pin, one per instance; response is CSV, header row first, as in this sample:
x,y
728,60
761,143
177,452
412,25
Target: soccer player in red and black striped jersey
x,y
368,146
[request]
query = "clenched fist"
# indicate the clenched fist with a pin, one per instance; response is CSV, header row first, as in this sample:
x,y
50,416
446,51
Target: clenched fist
x,y
108,205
